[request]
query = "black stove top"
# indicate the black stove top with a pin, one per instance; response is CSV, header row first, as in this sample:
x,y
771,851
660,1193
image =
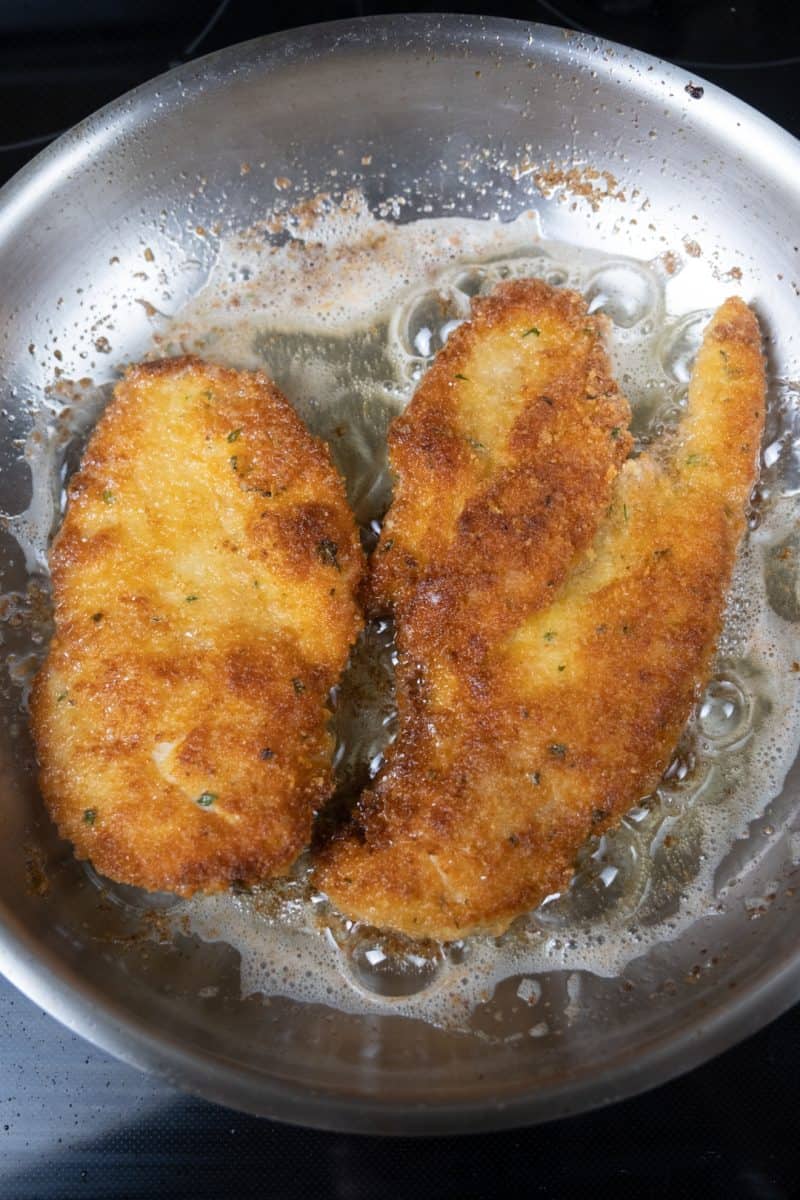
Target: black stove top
x,y
75,1123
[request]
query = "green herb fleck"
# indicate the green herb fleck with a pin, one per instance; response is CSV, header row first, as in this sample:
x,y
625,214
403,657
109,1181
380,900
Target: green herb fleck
x,y
387,546
694,460
615,432
299,686
191,599
61,696
108,496
724,355
234,461
464,377
234,435
562,666
625,512
266,754
547,400
550,636
206,799
476,445
558,749
209,395
661,553
256,583
327,552
89,816
533,330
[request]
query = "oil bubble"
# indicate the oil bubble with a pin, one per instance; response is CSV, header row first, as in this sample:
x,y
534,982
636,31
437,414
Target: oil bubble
x,y
624,292
391,968
725,715
679,347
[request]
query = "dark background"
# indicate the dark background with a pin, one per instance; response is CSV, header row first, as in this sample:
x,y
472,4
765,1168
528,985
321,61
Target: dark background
x,y
74,1123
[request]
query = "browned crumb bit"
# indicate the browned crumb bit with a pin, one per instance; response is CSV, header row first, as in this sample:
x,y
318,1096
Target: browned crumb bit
x,y
585,182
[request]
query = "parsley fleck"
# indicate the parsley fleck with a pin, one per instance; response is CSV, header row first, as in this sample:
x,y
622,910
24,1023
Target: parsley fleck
x,y
209,395
464,377
558,749
387,546
266,754
89,816
476,445
327,552
547,400
625,511
234,461
615,432
533,330
550,636
192,598
234,435
206,799
694,460
562,666
299,686
61,696
108,496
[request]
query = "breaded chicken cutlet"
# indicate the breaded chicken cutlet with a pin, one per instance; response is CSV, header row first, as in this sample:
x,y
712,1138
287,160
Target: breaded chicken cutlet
x,y
204,583
511,752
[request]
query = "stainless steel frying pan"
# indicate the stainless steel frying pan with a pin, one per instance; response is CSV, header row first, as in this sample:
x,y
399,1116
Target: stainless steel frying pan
x,y
420,95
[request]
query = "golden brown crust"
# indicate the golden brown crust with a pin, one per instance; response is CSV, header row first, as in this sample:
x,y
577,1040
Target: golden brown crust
x,y
489,793
204,581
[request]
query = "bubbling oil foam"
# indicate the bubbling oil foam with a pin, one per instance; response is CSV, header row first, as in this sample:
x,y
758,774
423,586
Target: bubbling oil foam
x,y
345,312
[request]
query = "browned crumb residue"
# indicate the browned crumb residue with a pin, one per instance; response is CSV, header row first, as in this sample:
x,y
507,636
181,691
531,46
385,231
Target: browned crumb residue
x,y
585,182
692,248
